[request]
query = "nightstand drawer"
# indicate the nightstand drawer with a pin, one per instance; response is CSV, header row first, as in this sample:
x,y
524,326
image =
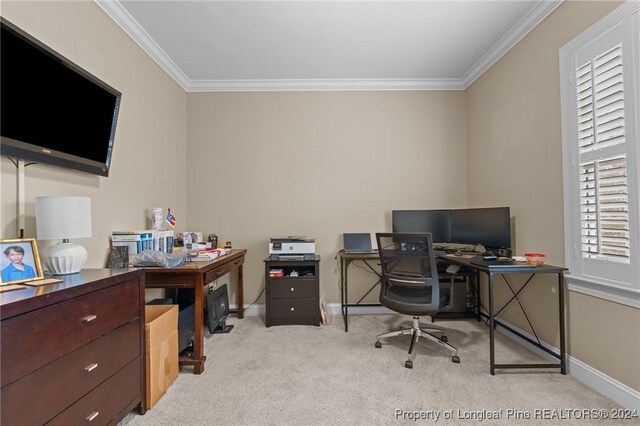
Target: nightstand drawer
x,y
292,288
46,334
43,394
294,311
102,405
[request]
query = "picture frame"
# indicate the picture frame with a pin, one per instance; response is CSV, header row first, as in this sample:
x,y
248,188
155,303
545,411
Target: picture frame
x,y
19,269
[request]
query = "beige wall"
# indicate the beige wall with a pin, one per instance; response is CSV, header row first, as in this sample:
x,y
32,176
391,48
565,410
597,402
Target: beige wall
x,y
515,143
148,164
319,164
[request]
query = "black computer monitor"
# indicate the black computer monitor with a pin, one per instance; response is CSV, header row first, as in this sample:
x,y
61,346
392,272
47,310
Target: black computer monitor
x,y
218,310
437,222
490,227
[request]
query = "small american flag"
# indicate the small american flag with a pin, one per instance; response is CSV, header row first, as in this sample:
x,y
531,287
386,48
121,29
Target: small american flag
x,y
171,219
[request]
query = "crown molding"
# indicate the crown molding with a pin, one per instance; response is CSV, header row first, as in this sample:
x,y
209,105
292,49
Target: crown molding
x,y
527,23
130,26
323,85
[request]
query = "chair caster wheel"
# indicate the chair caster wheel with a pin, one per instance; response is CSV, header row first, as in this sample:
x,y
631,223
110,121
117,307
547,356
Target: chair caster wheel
x,y
408,364
455,359
444,338
378,345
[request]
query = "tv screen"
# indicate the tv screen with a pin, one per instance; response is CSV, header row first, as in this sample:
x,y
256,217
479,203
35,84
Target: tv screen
x,y
490,227
51,110
436,222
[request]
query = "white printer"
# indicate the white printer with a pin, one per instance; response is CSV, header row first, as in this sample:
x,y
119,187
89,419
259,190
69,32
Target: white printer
x,y
292,248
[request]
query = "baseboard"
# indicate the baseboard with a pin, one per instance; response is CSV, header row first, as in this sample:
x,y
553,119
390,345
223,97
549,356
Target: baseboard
x,y
595,379
253,310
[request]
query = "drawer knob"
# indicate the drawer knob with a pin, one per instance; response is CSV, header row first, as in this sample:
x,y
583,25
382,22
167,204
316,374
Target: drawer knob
x,y
92,416
91,367
293,289
89,318
293,309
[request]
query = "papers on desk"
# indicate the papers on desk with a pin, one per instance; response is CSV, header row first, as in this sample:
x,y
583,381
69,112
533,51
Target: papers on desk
x,y
207,255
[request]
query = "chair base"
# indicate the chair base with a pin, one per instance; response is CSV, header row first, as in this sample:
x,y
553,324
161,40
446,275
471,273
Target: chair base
x,y
416,331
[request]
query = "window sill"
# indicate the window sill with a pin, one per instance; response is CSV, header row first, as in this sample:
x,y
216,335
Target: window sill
x,y
623,295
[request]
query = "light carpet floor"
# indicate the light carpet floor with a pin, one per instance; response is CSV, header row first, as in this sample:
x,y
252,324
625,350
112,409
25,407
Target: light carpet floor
x,y
303,375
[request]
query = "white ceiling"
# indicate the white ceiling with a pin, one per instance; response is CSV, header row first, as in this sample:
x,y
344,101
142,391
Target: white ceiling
x,y
326,45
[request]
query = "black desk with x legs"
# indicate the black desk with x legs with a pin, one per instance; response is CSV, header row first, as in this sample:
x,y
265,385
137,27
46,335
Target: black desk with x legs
x,y
370,261
490,270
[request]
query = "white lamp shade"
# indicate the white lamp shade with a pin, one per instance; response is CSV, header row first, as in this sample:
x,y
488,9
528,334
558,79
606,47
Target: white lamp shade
x,y
59,218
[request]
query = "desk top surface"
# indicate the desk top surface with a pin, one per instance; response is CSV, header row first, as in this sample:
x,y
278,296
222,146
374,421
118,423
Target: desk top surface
x,y
198,266
476,262
359,256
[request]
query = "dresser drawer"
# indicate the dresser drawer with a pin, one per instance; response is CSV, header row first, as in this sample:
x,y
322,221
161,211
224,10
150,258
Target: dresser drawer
x,y
41,395
294,311
104,404
34,339
292,288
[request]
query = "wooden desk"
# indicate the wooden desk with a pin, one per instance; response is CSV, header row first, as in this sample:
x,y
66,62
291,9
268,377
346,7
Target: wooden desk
x,y
195,275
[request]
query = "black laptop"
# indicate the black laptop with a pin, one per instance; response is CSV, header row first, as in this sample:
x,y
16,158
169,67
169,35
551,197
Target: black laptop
x,y
357,242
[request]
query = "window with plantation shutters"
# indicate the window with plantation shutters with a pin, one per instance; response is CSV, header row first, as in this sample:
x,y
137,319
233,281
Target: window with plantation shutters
x,y
604,204
600,85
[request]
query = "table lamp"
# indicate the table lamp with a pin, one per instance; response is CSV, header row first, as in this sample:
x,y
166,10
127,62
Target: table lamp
x,y
61,218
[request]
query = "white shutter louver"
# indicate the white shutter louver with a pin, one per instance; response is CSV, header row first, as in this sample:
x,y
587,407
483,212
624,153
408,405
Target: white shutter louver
x,y
604,214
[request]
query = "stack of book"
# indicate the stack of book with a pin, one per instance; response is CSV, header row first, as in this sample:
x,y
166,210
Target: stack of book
x,y
137,241
204,255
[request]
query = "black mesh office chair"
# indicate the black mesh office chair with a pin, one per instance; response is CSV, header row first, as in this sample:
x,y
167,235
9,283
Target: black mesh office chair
x,y
410,286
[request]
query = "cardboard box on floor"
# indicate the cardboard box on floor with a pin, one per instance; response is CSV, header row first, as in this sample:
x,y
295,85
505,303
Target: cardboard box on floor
x,y
161,350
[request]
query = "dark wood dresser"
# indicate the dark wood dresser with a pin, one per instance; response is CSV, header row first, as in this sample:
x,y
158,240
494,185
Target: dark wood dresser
x,y
73,352
293,298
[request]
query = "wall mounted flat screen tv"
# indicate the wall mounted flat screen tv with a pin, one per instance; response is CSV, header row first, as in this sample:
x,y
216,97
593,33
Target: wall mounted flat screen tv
x,y
53,111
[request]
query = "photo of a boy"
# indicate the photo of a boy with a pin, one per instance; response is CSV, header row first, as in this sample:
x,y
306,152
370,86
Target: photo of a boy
x,y
16,269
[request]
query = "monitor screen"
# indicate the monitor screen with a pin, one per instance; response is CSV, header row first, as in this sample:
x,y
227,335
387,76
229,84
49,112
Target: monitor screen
x,y
218,310
436,222
490,227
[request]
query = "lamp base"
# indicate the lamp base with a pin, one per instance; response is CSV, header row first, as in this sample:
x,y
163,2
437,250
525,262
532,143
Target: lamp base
x,y
65,258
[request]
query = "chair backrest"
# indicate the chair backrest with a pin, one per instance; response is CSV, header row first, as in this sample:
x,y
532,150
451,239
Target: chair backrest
x,y
407,260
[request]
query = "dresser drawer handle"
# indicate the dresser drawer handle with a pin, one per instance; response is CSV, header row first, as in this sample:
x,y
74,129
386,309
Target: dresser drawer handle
x,y
293,289
89,318
91,367
293,309
92,416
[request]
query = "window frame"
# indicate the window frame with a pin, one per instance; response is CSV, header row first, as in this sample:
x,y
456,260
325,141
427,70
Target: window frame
x,y
623,22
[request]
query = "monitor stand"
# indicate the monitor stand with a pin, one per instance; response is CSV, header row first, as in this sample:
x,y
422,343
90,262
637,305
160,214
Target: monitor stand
x,y
223,328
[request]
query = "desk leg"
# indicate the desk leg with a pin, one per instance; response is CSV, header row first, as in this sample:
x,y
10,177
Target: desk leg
x,y
198,335
476,284
563,355
240,293
492,359
346,296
